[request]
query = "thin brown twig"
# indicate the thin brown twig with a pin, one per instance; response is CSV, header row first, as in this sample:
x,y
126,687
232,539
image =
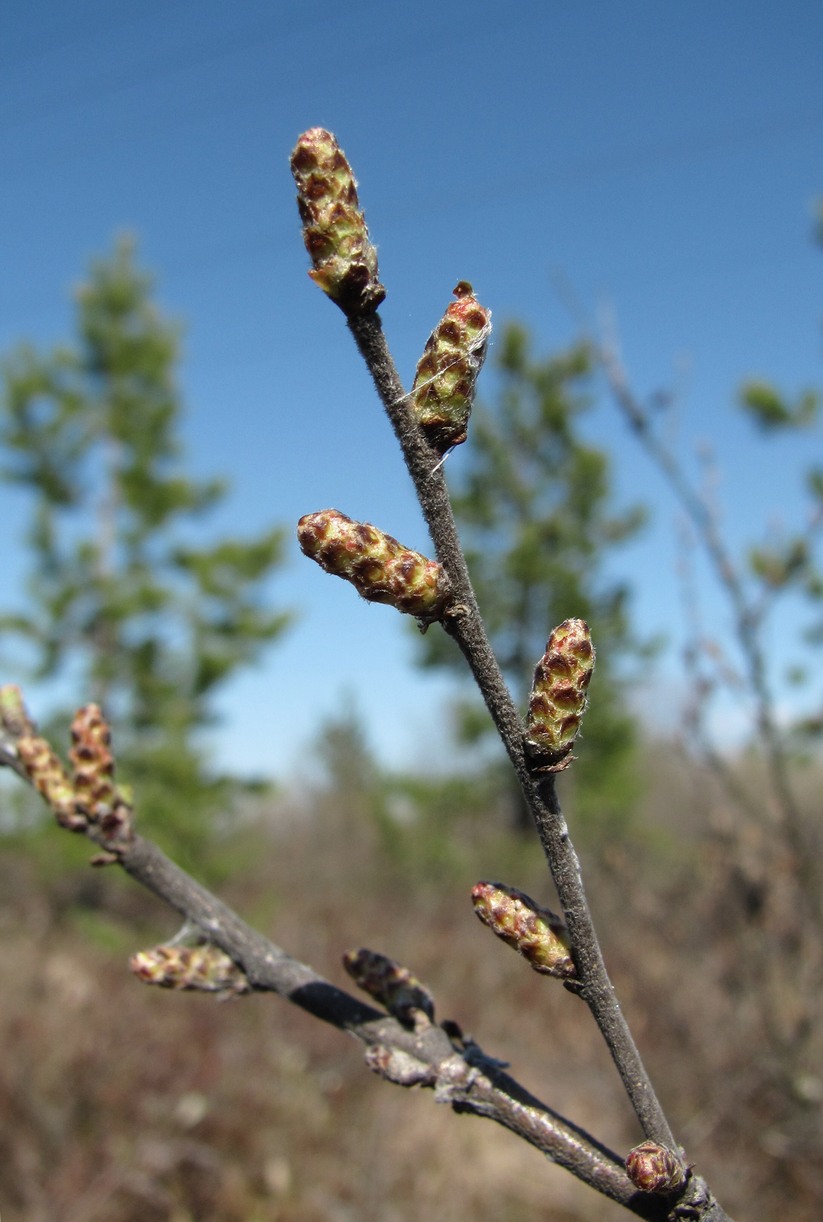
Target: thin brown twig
x,y
745,614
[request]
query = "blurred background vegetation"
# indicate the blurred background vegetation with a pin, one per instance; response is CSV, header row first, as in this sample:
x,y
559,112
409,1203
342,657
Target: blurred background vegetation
x,y
122,596
703,863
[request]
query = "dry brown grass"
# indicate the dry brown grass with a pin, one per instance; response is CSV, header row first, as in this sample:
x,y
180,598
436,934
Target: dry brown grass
x,y
123,1103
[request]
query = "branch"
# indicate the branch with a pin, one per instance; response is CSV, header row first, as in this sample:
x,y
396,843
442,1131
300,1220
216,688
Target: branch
x,y
746,614
418,1054
403,1043
345,267
428,1055
466,626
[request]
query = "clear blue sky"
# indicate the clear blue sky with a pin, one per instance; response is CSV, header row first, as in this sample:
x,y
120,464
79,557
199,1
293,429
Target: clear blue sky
x,y
664,157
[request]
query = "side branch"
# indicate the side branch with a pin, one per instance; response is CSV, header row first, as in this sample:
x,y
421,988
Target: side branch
x,y
428,1055
268,968
410,1054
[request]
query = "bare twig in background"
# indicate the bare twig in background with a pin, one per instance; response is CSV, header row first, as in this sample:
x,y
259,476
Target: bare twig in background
x,y
768,895
747,613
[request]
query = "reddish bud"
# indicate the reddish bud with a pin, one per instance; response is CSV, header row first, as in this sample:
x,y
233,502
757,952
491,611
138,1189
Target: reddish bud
x,y
95,792
655,1168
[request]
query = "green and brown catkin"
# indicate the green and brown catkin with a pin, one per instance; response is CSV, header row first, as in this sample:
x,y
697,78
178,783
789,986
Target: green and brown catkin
x,y
380,568
96,794
93,762
536,933
46,772
446,377
334,228
558,696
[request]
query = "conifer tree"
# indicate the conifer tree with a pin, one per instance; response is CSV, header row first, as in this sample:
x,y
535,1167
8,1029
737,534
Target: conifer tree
x,y
148,624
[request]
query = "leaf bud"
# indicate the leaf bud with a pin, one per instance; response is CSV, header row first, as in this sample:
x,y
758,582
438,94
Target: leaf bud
x,y
446,377
655,1168
334,228
558,696
390,984
94,789
92,759
536,933
14,720
380,568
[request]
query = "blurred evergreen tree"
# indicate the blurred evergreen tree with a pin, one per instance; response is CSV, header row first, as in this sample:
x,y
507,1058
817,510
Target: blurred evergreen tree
x,y
789,561
147,623
533,503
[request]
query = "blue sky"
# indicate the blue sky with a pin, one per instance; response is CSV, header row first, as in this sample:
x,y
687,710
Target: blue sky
x,y
663,159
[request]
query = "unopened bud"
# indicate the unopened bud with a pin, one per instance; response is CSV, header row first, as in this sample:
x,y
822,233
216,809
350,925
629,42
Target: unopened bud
x,y
49,777
444,384
380,568
536,933
390,984
206,968
92,759
558,695
655,1168
94,789
334,228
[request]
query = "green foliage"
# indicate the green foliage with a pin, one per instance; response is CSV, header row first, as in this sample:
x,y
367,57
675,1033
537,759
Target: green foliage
x,y
771,411
149,624
777,567
791,563
533,503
